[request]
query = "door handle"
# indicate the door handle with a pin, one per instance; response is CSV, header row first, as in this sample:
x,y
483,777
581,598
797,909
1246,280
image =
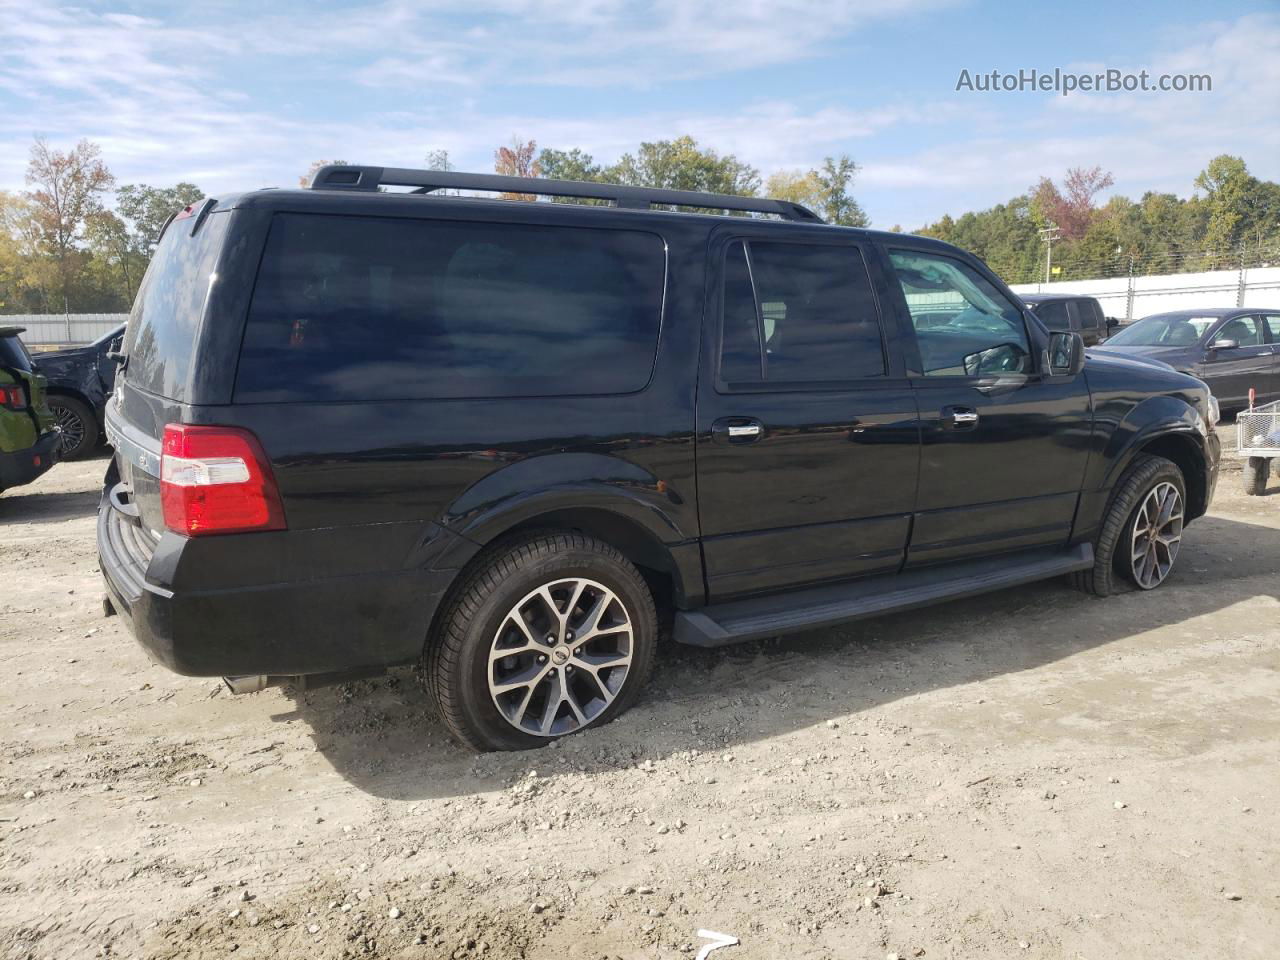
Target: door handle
x,y
959,418
737,430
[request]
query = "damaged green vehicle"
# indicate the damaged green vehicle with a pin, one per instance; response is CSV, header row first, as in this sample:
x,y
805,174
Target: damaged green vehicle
x,y
28,432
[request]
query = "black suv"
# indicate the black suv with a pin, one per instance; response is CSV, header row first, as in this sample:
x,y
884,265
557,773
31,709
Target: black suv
x,y
1061,312
515,442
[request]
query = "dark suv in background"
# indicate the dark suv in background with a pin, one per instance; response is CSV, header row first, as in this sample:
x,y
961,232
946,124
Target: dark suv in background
x,y
1066,313
515,442
80,380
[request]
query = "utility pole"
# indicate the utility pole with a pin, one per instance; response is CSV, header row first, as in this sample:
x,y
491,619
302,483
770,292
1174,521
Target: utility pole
x,y
1048,235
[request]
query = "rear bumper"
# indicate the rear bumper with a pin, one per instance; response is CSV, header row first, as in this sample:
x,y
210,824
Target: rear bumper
x,y
187,611
23,466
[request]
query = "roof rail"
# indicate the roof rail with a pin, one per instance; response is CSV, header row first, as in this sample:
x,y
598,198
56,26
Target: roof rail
x,y
342,177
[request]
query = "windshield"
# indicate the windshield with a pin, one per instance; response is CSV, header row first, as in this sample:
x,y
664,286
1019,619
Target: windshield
x,y
1163,330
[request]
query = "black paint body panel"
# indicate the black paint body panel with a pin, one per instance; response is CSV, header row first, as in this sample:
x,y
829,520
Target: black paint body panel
x,y
387,501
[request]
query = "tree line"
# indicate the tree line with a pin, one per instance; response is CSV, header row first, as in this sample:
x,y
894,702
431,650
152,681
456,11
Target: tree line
x,y
77,242
1231,221
64,248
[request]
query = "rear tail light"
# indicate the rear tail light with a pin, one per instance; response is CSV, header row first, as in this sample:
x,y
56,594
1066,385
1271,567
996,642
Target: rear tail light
x,y
12,396
217,480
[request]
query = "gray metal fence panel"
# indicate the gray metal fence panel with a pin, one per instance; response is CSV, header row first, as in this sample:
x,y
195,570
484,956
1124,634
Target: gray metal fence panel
x,y
45,330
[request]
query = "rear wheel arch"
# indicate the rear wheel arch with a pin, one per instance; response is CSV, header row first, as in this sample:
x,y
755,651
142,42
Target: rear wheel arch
x,y
654,559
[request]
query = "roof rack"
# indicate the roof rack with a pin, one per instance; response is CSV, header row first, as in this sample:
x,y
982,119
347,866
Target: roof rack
x,y
342,177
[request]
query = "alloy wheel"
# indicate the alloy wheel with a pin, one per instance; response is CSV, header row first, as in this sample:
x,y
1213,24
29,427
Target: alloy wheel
x,y
560,657
1157,535
73,427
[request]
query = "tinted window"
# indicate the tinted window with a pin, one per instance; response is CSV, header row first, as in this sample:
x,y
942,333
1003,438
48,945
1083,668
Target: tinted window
x,y
1053,314
13,353
161,334
964,325
814,307
740,342
1091,314
363,308
1273,326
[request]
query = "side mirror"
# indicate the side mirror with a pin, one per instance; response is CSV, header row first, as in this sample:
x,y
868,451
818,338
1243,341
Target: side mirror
x,y
1224,344
1112,323
1066,354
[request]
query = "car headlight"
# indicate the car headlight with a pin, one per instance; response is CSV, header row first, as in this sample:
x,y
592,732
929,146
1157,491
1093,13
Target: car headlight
x,y
1215,412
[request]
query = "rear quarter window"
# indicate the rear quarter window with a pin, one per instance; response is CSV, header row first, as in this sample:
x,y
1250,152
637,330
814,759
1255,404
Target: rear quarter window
x,y
368,308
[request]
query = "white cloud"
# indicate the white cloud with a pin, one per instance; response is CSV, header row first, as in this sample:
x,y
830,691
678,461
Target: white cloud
x,y
170,98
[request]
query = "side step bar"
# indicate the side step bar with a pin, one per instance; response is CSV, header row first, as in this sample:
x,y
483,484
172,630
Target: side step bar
x,y
758,617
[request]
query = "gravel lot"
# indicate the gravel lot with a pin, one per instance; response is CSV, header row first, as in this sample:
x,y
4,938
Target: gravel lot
x,y
1030,774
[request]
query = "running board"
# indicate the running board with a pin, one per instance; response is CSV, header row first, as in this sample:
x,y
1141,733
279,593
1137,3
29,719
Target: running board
x,y
757,617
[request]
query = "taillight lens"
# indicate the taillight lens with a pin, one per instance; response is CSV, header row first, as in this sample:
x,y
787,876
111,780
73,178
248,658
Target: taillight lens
x,y
217,480
12,396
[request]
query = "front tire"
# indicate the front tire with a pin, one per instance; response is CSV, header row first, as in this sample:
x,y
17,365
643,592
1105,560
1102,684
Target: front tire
x,y
79,426
1142,531
549,635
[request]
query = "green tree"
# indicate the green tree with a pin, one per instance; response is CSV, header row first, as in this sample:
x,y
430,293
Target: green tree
x,y
572,164
1243,212
68,189
681,164
797,186
838,206
146,209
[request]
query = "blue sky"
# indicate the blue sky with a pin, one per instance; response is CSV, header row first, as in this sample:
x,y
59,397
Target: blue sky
x,y
233,95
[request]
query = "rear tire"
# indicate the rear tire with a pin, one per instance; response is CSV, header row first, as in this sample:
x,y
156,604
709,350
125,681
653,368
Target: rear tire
x,y
505,668
1115,568
1257,470
79,426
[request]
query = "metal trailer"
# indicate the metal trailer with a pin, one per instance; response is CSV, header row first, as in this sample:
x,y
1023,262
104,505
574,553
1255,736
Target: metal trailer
x,y
1258,442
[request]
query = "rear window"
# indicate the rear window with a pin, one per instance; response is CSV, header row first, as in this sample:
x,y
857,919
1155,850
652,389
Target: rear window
x,y
365,308
161,334
13,353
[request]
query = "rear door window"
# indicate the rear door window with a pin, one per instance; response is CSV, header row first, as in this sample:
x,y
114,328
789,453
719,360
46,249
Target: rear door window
x,y
365,308
1084,314
798,313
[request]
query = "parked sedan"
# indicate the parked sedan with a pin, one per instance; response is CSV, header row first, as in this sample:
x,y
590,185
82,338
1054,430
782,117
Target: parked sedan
x,y
80,380
1232,349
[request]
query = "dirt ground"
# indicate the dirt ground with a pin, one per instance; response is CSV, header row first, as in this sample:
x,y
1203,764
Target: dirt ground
x,y
1030,774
